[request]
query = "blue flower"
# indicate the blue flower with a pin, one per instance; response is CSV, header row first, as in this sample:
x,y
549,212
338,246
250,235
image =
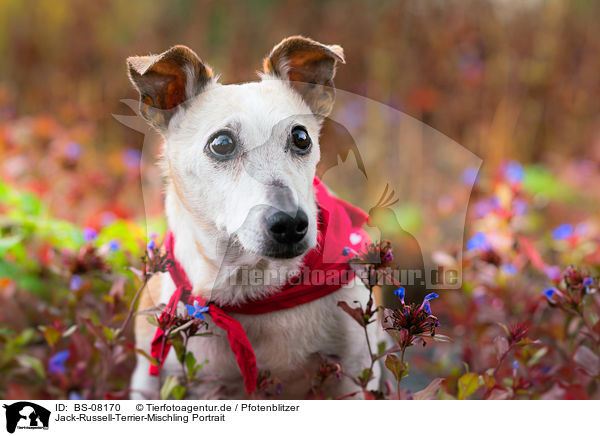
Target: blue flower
x,y
400,292
114,245
196,310
509,269
549,293
588,281
74,395
346,251
564,231
151,245
89,234
477,242
427,307
56,363
514,172
76,283
515,365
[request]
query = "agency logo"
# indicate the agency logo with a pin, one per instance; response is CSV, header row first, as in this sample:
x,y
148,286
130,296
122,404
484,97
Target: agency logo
x,y
26,415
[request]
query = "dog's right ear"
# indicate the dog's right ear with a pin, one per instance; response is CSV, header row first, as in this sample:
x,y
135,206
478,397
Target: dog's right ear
x,y
166,81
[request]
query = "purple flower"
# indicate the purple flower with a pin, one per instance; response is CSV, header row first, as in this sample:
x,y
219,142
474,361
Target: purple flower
x,y
549,293
196,310
132,158
582,229
469,176
151,245
553,272
587,282
73,150
430,296
477,242
400,292
76,283
114,245
519,207
346,251
56,363
89,234
514,172
278,388
107,218
515,365
564,231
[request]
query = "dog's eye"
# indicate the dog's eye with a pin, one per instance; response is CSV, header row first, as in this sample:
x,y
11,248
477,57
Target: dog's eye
x,y
301,142
222,145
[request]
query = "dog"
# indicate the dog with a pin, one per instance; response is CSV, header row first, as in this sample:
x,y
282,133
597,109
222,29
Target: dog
x,y
239,163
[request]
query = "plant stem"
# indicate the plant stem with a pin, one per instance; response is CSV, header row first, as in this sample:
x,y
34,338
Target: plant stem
x,y
132,305
399,379
368,308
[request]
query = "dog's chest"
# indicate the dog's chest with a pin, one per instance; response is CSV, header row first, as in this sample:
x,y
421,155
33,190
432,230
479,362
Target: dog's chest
x,y
287,343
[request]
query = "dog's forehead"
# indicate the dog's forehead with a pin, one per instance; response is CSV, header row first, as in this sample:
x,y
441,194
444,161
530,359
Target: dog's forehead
x,y
259,105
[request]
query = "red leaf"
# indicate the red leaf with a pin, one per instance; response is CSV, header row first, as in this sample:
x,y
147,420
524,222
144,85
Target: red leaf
x,y
355,313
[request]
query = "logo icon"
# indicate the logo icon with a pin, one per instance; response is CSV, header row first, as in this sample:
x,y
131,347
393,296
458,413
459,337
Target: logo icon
x,y
26,415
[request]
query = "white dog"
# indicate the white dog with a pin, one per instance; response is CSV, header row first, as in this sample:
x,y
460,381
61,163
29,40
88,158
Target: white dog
x,y
239,161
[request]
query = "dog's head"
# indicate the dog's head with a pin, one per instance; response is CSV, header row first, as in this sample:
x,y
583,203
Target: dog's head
x,y
241,158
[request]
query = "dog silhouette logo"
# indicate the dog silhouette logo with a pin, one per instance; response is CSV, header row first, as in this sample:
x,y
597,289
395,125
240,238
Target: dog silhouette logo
x,y
26,415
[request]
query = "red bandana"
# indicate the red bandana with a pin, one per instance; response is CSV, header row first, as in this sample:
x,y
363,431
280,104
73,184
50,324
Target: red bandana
x,y
339,227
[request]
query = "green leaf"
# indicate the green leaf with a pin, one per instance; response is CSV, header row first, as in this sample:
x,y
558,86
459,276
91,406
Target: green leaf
x,y
381,348
395,365
467,385
8,242
538,180
147,356
109,333
32,363
178,392
537,356
170,383
190,363
179,349
365,375
68,332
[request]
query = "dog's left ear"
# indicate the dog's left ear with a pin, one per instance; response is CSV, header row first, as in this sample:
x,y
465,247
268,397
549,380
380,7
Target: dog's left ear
x,y
309,66
167,80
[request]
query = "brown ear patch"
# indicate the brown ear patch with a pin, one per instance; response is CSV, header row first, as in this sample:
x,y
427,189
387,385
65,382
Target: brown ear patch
x,y
167,80
310,66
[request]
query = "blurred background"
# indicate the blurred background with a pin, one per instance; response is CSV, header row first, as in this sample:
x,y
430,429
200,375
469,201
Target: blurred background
x,y
514,82
507,80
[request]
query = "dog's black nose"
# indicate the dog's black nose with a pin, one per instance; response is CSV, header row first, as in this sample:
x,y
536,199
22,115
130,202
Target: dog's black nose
x,y
287,229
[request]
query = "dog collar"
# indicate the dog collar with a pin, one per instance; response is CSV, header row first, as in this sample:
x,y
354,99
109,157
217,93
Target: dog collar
x,y
339,226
